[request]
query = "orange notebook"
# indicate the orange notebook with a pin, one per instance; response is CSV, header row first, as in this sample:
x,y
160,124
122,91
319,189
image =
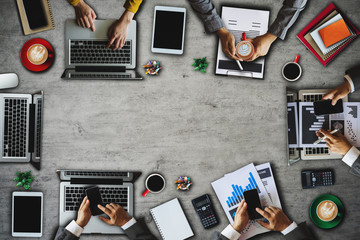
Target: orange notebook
x,y
334,33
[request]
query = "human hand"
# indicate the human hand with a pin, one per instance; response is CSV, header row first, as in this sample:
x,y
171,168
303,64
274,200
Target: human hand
x,y
278,221
241,217
118,30
227,43
85,15
337,143
118,216
261,45
340,92
84,213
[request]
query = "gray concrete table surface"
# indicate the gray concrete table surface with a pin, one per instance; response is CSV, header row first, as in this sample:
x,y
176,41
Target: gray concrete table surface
x,y
179,123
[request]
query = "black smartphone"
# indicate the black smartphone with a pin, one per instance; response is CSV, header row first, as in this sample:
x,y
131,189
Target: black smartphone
x,y
253,201
35,13
94,197
324,107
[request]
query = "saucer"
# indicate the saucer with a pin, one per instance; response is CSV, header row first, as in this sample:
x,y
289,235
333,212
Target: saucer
x,y
28,64
317,221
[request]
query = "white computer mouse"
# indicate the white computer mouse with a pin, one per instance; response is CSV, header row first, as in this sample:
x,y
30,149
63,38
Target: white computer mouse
x,y
8,80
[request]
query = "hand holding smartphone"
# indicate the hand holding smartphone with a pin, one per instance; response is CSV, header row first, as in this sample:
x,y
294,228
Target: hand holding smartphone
x,y
94,197
253,201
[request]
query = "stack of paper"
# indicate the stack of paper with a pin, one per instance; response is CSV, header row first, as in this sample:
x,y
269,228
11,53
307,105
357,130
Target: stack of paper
x,y
329,28
229,190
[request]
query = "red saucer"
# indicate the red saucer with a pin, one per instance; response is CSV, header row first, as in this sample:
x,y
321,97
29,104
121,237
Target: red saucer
x,y
28,64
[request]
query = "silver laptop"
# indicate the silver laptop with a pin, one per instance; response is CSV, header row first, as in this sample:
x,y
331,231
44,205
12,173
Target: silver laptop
x,y
309,153
86,55
115,187
21,117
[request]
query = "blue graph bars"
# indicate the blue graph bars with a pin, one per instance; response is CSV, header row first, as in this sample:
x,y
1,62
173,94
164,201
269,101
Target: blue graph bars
x,y
237,194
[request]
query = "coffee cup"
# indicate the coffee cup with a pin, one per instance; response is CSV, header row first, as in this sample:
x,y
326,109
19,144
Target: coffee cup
x,y
327,210
37,54
292,71
154,183
244,49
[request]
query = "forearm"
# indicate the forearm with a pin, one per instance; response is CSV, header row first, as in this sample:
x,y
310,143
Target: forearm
x,y
286,17
127,16
207,12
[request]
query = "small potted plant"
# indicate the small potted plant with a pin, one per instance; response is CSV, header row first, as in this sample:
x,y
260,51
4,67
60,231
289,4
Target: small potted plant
x,y
24,179
200,64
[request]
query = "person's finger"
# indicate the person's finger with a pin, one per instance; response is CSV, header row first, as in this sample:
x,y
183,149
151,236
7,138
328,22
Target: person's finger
x,y
82,23
104,209
328,141
232,46
265,225
106,220
86,21
108,206
263,213
83,202
78,22
114,206
269,210
329,95
328,145
240,205
93,15
327,134
87,204
111,41
243,210
274,209
91,22
335,99
122,42
319,134
117,44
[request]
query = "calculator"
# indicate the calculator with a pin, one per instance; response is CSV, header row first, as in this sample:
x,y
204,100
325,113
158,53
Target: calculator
x,y
317,178
205,211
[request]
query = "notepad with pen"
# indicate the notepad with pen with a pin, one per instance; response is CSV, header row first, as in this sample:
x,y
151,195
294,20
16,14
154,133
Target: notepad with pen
x,y
171,221
35,15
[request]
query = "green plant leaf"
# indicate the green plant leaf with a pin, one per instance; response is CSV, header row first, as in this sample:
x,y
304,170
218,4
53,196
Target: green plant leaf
x,y
16,179
27,187
19,184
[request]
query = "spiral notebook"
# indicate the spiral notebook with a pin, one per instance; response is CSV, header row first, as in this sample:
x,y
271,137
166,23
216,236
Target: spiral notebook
x,y
35,16
171,221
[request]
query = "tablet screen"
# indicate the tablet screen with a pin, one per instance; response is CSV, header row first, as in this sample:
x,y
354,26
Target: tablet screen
x,y
27,214
168,29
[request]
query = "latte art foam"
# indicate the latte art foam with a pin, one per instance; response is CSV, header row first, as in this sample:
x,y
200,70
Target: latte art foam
x,y
37,54
327,210
244,50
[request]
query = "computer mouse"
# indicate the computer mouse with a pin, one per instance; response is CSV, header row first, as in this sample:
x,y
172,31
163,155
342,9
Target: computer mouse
x,y
8,80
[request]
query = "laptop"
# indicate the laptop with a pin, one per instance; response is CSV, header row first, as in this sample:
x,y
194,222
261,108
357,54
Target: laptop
x,y
86,55
115,187
21,117
309,153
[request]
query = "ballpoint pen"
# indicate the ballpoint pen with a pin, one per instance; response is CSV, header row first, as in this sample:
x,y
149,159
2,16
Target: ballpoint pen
x,y
239,64
332,132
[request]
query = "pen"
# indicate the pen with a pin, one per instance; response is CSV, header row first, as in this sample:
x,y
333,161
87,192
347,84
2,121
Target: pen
x,y
239,64
320,139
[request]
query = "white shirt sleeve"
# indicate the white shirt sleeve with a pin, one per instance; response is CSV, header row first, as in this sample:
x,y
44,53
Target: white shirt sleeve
x,y
230,233
351,156
348,78
128,224
74,228
290,228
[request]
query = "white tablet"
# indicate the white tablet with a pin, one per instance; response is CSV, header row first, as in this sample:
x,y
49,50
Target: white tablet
x,y
27,214
168,30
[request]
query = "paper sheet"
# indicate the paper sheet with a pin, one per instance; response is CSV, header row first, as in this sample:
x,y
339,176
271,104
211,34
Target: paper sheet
x,y
237,21
293,125
229,192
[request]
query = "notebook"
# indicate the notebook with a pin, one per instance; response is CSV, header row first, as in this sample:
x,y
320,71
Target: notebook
x,y
171,221
334,33
35,16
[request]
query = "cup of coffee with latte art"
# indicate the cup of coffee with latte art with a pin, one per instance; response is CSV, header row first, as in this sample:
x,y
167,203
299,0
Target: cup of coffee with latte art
x,y
327,210
37,54
244,49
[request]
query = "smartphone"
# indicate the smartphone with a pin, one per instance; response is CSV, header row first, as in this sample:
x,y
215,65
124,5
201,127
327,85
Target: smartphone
x,y
35,13
253,201
94,197
324,107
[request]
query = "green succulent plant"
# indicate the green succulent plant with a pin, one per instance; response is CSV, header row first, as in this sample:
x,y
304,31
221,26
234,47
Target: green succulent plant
x,y
24,179
200,64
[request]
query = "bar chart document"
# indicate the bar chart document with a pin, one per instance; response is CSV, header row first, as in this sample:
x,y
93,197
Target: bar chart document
x,y
238,20
231,187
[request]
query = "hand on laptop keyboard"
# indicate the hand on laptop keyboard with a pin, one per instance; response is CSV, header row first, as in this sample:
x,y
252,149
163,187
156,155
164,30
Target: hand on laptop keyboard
x,y
118,216
85,15
84,213
118,31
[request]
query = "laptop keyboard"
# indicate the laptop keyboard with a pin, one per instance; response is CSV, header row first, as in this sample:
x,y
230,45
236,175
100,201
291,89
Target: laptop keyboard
x,y
313,97
95,52
15,127
98,75
101,174
75,195
38,128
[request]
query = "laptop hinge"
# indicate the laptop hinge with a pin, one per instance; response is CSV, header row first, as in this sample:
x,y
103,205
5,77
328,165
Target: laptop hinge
x,y
96,181
31,127
99,69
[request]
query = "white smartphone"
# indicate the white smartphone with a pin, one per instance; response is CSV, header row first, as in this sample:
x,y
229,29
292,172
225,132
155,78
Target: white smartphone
x,y
27,214
168,30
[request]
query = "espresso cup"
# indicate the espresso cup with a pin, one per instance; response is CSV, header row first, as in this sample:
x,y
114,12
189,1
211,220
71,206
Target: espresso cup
x,y
244,49
37,54
154,183
292,71
327,210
